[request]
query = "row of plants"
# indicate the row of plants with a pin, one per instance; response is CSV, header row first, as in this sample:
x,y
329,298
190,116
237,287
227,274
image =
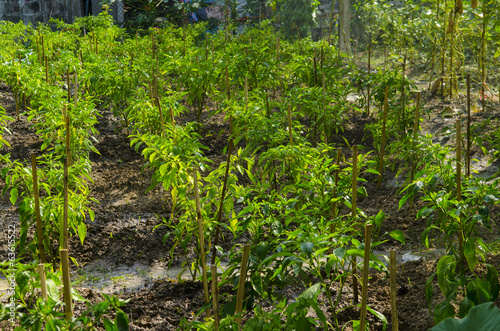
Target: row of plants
x,y
289,171
45,70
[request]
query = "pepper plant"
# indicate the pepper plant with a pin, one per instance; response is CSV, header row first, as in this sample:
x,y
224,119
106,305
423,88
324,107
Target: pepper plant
x,y
454,217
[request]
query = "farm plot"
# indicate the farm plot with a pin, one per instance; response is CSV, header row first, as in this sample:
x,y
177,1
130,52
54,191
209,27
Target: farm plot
x,y
188,153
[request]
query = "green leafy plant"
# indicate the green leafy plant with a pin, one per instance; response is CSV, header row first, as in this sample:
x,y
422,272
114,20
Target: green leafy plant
x,y
453,216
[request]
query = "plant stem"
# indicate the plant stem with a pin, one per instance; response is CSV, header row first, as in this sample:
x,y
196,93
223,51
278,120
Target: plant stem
x,y
335,193
394,310
366,264
403,115
215,297
468,126
382,147
221,203
353,215
68,302
369,73
201,238
39,230
483,73
241,283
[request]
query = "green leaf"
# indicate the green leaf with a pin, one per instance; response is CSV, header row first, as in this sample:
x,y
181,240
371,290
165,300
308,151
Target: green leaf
x,y
379,219
418,186
102,307
429,291
121,321
304,276
320,314
442,311
403,199
478,291
76,295
163,169
303,324
13,195
465,306
307,247
22,279
52,290
356,252
82,231
91,214
362,191
398,235
492,279
380,316
257,283
340,253
109,326
229,308
446,275
312,292
373,171
261,250
233,225
484,317
152,157
470,253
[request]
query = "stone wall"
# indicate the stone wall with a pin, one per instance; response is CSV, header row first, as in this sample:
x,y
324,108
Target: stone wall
x,y
32,11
